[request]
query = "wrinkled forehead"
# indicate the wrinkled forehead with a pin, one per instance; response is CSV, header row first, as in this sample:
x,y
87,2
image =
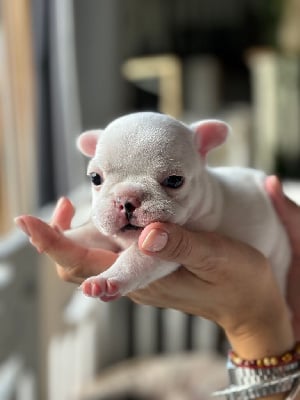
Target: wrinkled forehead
x,y
139,143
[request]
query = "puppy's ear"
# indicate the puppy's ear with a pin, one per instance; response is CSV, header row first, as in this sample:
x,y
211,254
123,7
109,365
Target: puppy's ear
x,y
87,142
209,134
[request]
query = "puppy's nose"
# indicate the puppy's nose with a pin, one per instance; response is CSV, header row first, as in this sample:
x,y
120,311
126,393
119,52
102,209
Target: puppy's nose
x,y
128,205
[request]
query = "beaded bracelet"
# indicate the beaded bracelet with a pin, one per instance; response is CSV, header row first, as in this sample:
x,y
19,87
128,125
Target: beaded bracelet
x,y
287,358
253,379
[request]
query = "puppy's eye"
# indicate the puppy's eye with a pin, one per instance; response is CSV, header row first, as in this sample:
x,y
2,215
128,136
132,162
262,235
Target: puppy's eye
x,y
96,178
173,181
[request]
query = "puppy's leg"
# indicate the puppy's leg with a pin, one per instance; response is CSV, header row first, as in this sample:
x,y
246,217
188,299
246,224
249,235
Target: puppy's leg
x,y
132,270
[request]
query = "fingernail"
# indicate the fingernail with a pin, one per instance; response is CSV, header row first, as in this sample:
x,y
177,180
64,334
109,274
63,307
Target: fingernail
x,y
155,241
60,202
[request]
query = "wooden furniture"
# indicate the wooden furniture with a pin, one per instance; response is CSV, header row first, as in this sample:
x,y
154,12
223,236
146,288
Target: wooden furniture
x,y
17,112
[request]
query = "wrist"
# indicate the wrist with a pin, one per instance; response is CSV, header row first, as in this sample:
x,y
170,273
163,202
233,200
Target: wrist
x,y
266,335
262,344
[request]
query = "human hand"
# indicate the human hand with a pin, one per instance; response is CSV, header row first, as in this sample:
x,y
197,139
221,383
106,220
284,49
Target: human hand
x,y
75,258
208,258
222,280
218,280
214,275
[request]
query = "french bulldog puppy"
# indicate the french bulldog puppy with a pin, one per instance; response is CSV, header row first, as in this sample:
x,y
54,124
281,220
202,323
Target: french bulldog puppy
x,y
148,167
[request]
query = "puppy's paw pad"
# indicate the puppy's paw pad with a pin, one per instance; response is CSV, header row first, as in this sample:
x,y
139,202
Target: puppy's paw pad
x,y
111,289
104,288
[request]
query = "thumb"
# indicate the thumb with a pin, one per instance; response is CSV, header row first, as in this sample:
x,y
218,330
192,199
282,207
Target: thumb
x,y
174,243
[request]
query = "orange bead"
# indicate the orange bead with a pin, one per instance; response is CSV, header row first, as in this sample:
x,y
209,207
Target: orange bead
x,y
259,363
286,358
274,361
267,362
237,360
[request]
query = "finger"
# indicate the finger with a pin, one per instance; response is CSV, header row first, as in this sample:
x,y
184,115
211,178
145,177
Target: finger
x,y
286,208
288,211
213,258
174,243
75,262
63,214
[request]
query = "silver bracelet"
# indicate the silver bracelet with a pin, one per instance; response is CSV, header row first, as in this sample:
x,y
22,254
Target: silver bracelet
x,y
254,383
295,391
249,392
249,376
256,391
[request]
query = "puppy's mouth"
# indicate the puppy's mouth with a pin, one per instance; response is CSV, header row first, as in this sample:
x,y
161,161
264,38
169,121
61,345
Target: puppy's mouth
x,y
131,227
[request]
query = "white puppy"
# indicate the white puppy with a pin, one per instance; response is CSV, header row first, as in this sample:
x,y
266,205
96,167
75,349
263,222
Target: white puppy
x,y
148,167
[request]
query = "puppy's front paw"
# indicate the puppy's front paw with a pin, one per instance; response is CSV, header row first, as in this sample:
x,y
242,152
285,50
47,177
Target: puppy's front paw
x,y
107,289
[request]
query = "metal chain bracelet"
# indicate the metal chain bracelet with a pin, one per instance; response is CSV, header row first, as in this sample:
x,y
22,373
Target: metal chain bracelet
x,y
256,391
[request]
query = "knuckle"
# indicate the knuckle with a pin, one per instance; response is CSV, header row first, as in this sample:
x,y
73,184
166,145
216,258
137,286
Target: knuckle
x,y
180,247
207,252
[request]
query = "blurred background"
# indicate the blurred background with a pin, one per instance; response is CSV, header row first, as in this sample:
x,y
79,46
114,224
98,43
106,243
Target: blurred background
x,y
71,65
